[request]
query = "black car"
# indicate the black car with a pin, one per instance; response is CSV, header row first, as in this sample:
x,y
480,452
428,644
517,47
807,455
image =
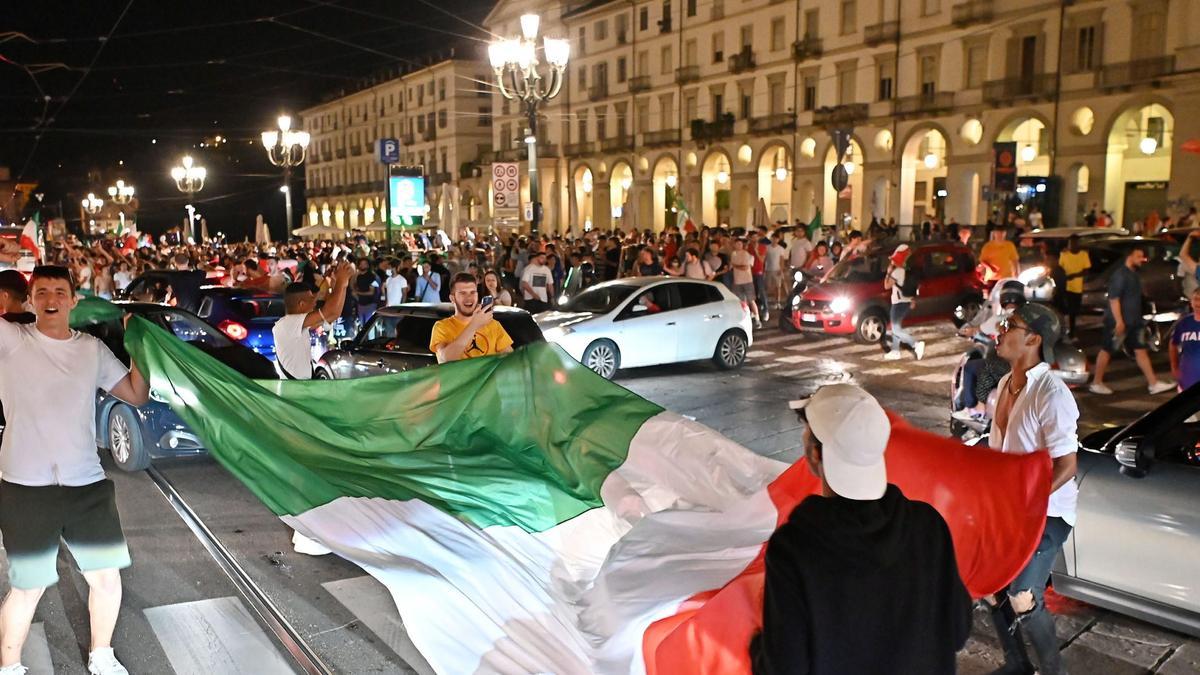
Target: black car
x,y
135,436
397,339
244,315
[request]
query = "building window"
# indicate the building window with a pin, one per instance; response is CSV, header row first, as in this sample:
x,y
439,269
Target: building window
x,y
644,18
601,124
718,9
583,128
747,104
849,16
665,55
689,54
602,29
810,92
622,70
643,116
928,75
506,139
718,106
812,23
485,117
930,7
441,119
665,23
718,47
976,66
582,40
420,125
747,37
845,82
691,8
885,86
442,90
666,111
622,27
777,30
643,63
691,109
1085,49
1156,128
582,71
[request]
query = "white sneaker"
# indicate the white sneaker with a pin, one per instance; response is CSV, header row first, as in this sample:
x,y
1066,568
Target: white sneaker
x,y
919,348
14,669
1162,386
968,415
893,355
104,662
1101,389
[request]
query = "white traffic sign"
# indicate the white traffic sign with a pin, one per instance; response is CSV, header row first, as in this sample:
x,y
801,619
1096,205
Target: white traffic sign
x,y
506,185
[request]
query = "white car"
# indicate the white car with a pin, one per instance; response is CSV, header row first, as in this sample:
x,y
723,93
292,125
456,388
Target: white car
x,y
648,321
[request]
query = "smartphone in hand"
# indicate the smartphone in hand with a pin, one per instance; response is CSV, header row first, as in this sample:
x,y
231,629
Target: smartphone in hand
x,y
487,303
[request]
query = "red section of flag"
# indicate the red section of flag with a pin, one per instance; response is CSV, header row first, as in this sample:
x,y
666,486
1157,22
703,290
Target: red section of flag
x,y
1191,145
995,505
29,239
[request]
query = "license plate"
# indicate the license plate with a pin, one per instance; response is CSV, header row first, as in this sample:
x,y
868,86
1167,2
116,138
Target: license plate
x,y
808,317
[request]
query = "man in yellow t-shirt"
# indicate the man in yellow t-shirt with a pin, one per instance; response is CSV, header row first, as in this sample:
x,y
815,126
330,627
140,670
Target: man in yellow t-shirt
x,y
472,331
1075,263
1000,255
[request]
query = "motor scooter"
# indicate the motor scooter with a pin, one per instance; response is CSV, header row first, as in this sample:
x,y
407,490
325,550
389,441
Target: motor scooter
x,y
799,285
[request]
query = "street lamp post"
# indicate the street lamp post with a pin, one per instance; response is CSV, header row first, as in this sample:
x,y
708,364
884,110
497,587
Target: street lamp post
x,y
285,148
120,193
91,205
189,179
516,60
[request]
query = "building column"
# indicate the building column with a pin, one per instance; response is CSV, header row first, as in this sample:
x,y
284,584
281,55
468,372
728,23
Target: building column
x,y
1185,166
601,208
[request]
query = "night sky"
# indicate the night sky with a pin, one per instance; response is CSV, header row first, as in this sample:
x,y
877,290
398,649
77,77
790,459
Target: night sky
x,y
171,75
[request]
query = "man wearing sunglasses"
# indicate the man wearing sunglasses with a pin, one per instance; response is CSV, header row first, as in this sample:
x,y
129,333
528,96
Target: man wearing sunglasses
x,y
1035,411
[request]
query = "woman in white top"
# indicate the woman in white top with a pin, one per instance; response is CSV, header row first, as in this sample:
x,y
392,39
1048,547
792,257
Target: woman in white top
x,y
491,283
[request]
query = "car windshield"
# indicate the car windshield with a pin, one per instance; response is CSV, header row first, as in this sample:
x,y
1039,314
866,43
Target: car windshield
x,y
858,270
600,299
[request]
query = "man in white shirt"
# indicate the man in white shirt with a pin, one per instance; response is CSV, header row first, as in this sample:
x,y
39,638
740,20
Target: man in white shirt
x,y
743,278
773,265
799,248
902,303
1035,411
293,341
53,485
537,283
396,288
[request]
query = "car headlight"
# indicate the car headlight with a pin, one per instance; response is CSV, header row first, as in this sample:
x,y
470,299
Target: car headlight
x,y
798,276
840,305
1032,274
562,299
557,333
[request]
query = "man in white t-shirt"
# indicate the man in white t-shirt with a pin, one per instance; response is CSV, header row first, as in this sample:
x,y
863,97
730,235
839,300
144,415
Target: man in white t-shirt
x,y
800,248
53,485
902,303
773,264
293,339
1035,411
743,277
537,283
396,288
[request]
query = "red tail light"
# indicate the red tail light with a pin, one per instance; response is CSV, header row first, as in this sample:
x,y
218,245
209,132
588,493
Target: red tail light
x,y
233,329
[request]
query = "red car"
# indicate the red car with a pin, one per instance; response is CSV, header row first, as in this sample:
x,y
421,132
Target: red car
x,y
851,299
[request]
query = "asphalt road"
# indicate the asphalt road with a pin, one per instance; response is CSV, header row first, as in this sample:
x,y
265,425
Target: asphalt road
x,y
182,615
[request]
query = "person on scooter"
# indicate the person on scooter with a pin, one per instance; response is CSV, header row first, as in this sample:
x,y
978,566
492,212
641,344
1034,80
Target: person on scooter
x,y
980,376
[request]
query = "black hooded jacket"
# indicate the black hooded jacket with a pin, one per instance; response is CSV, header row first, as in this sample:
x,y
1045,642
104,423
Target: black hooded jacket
x,y
862,587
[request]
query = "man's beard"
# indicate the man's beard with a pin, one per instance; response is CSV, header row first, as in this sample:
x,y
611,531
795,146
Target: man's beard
x,y
465,310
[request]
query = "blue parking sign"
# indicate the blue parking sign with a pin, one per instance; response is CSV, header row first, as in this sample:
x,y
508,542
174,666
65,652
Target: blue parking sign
x,y
389,150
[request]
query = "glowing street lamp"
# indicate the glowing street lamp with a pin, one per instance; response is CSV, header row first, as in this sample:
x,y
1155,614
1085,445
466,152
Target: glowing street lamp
x,y
516,66
286,148
120,193
189,178
92,204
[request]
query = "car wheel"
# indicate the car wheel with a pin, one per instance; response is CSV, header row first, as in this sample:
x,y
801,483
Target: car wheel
x,y
965,310
603,358
731,350
871,328
322,374
125,439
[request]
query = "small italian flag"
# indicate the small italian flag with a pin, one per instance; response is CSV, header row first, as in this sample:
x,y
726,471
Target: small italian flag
x,y
29,237
528,516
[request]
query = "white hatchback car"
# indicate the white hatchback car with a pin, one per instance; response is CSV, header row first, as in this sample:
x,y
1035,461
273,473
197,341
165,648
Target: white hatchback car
x,y
648,321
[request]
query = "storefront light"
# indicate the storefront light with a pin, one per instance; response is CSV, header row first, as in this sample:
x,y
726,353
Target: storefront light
x,y
931,161
722,176
849,167
1028,154
672,181
1148,145
781,174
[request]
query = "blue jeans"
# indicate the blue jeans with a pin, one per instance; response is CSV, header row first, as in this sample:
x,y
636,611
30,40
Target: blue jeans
x,y
970,376
1037,623
899,311
364,313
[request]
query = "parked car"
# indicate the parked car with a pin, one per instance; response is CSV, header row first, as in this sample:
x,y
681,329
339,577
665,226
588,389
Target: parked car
x,y
1135,548
136,436
1160,283
851,300
244,315
1030,248
648,321
396,339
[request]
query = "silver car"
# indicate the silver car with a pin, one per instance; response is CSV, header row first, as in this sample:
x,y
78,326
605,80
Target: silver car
x,y
1136,546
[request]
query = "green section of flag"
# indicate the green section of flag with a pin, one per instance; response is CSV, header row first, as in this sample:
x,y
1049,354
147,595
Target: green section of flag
x,y
814,227
524,439
92,309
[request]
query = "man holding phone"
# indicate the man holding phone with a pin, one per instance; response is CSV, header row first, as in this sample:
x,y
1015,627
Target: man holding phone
x,y
473,331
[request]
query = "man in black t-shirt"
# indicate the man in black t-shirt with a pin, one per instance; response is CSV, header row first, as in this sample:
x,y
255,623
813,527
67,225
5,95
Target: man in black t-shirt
x,y
1123,325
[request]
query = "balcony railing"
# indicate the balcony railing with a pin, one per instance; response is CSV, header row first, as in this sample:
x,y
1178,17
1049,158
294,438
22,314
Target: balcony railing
x,y
809,47
340,153
356,151
686,74
879,33
429,134
598,91
439,178
316,192
1142,71
1014,88
663,137
406,139
850,113
742,61
710,131
971,12
639,83
770,124
617,144
940,101
510,155
577,149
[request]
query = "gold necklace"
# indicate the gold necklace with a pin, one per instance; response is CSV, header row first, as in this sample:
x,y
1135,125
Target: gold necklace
x,y
1010,388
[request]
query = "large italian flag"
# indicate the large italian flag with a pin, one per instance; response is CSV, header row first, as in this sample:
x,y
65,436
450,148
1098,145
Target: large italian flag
x,y
528,516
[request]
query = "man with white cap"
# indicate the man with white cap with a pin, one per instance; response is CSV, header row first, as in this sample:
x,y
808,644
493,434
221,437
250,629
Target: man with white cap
x,y
859,579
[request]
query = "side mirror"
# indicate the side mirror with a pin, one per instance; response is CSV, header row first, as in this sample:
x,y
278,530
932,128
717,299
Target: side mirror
x,y
1135,456
347,344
